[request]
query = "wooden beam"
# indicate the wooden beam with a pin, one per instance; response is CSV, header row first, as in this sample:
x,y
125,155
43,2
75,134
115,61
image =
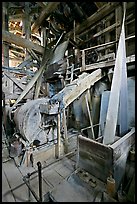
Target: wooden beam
x,y
108,18
99,4
59,136
37,88
80,86
90,119
44,63
118,20
65,131
5,47
106,64
107,44
41,4
16,17
101,13
12,78
108,29
44,14
18,71
11,38
27,26
15,95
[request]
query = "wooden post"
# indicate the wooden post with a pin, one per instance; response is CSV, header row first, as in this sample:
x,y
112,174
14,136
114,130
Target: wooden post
x,y
107,37
5,46
118,20
89,98
65,131
90,119
27,26
38,83
43,37
58,135
83,60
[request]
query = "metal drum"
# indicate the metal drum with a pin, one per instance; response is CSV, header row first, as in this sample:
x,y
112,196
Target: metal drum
x,y
28,120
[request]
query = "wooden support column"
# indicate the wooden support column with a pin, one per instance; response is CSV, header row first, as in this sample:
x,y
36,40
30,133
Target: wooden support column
x,y
89,98
27,26
43,37
5,46
65,132
58,136
90,119
39,81
107,36
83,60
38,85
118,20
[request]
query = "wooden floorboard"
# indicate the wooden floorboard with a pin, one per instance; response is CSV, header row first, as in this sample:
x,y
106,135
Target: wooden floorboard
x,y
14,189
7,195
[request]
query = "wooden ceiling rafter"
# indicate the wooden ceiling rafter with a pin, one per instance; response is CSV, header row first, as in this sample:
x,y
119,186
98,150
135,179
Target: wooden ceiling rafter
x,y
99,4
94,18
25,43
51,6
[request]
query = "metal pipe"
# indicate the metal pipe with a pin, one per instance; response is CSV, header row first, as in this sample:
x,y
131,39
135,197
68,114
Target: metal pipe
x,y
40,181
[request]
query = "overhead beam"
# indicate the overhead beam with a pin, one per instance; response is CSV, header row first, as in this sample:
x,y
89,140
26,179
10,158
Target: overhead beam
x,y
99,4
101,13
16,17
44,14
11,38
41,4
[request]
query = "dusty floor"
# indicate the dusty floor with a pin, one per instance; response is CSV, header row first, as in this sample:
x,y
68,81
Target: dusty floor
x,y
60,177
53,172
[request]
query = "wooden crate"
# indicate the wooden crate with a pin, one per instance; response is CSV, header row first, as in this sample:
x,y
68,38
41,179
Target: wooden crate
x,y
100,160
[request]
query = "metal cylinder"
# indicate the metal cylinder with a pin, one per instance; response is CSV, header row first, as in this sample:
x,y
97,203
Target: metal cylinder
x,y
28,119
